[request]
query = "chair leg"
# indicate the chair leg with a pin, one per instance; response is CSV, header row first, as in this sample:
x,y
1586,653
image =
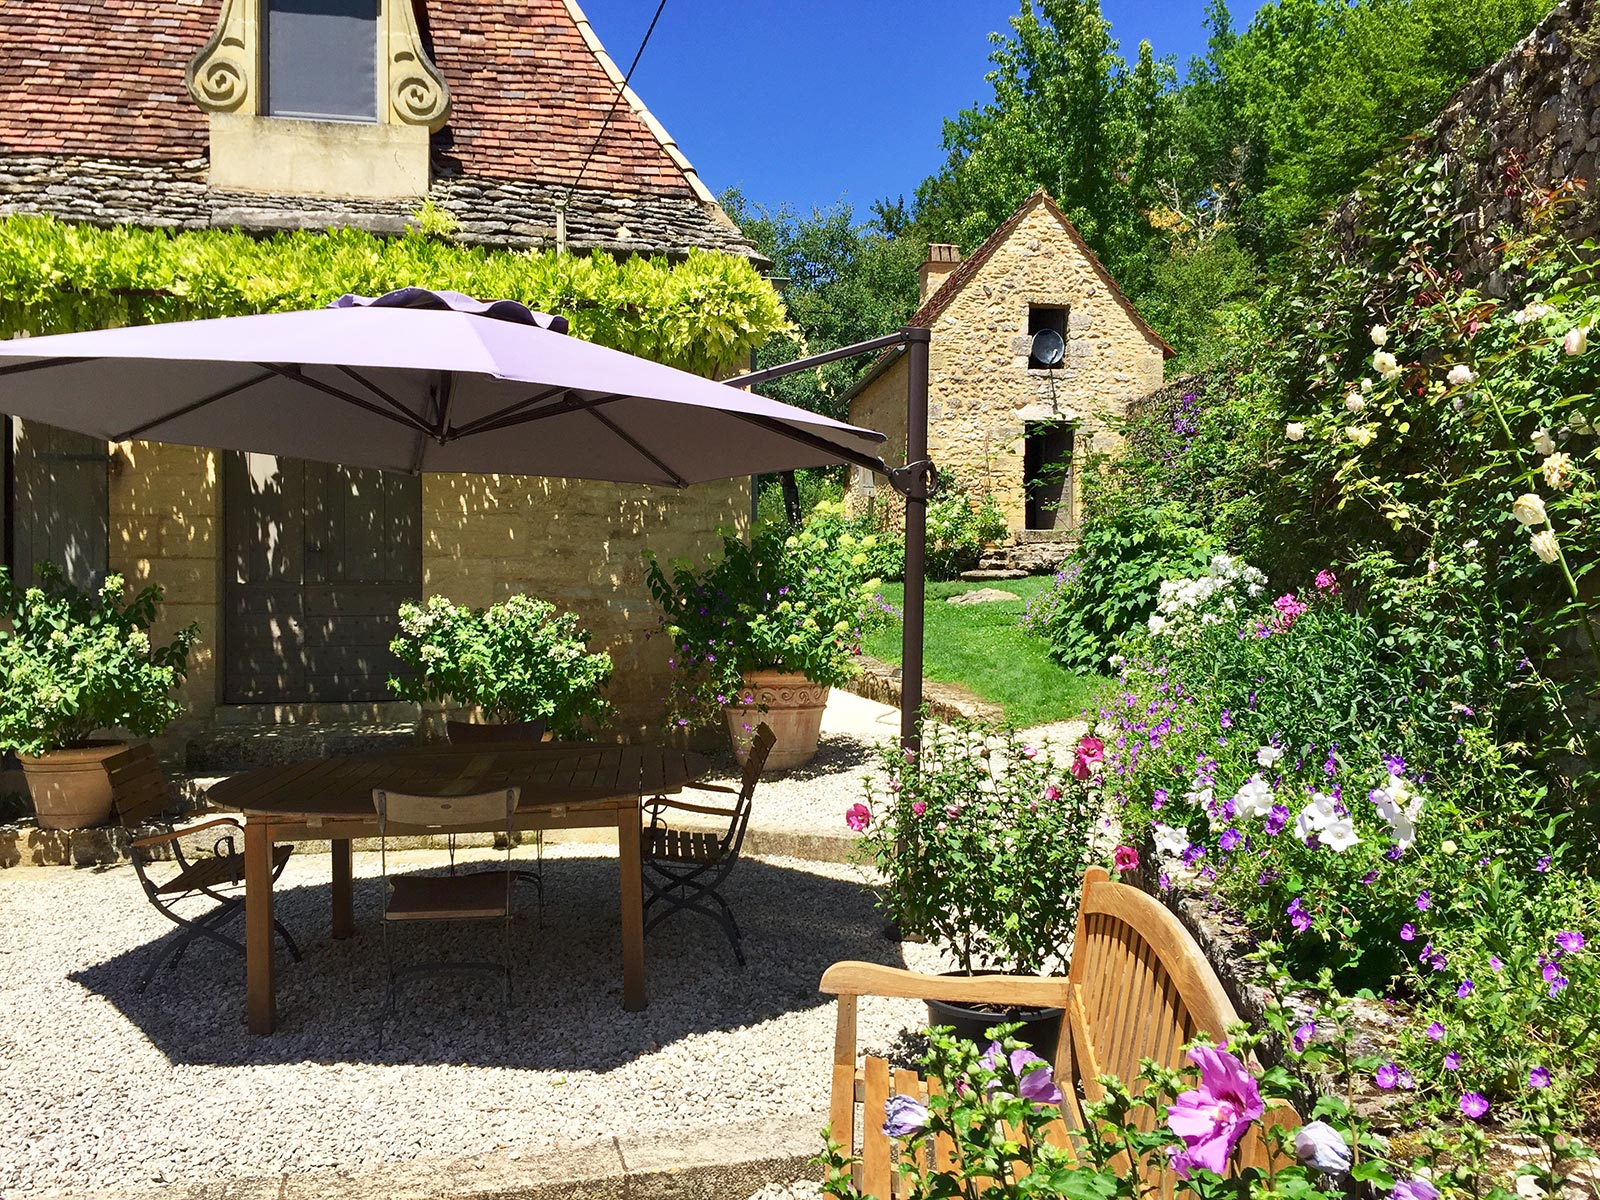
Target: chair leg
x,y
161,957
294,951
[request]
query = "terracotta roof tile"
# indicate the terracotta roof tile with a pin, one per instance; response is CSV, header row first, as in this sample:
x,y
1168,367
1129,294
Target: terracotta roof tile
x,y
529,94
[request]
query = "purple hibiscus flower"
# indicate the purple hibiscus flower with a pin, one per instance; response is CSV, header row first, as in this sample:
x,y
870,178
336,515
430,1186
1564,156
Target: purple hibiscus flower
x,y
1414,1189
905,1116
1213,1117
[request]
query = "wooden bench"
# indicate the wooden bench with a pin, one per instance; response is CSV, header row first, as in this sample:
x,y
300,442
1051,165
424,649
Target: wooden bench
x,y
1138,987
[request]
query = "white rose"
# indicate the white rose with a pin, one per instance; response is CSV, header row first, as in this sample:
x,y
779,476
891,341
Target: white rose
x,y
1557,471
1366,385
1543,443
1380,335
1386,364
1529,509
1576,341
1354,402
1361,435
1460,375
1294,431
1544,545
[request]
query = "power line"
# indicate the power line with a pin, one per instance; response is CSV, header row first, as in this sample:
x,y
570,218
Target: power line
x,y
561,209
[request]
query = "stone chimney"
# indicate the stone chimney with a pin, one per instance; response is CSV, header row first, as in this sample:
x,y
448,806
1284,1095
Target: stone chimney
x,y
943,258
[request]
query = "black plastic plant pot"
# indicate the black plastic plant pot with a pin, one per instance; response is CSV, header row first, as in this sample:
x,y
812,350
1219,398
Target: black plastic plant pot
x,y
1041,1027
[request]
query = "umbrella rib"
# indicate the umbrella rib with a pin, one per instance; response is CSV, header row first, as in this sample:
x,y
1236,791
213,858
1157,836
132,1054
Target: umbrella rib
x,y
377,391
472,427
232,389
555,410
632,441
40,365
772,424
296,375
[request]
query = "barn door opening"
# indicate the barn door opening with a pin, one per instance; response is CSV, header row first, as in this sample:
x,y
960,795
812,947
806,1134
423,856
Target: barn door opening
x,y
319,560
56,498
1047,474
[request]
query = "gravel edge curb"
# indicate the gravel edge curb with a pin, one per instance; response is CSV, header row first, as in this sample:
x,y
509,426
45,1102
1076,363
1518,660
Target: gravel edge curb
x,y
725,1162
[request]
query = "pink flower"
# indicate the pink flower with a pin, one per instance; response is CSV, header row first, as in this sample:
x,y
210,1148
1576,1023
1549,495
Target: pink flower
x,y
1327,582
1052,792
1090,750
858,817
1126,858
1213,1117
918,807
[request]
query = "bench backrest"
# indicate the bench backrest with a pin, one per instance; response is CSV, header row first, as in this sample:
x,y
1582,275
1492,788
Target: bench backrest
x,y
1138,987
139,788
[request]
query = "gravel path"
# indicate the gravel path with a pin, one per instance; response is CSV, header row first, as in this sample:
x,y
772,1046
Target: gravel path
x,y
107,1088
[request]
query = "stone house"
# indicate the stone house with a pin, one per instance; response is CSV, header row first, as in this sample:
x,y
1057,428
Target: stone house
x,y
266,115
1034,350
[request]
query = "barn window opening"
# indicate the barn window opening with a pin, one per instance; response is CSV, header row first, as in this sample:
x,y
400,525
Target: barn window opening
x,y
321,59
1046,353
1047,474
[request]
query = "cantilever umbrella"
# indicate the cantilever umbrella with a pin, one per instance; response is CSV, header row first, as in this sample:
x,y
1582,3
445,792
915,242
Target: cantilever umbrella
x,y
416,381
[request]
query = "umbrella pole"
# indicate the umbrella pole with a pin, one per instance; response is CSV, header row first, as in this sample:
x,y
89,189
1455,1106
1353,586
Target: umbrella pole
x,y
916,536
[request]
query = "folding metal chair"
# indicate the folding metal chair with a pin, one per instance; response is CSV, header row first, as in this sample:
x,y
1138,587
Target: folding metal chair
x,y
684,869
140,797
469,896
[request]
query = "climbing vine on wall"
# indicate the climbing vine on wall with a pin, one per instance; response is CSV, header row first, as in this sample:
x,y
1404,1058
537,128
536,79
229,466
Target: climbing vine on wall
x,y
704,313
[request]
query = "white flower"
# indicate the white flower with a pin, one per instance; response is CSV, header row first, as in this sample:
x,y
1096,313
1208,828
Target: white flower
x,y
1254,797
1339,836
1105,731
1117,661
1400,807
1361,435
1380,335
1316,816
1354,402
1268,755
1460,375
1529,509
1576,341
1557,471
1543,443
1366,385
1386,365
1294,431
1532,311
1544,545
1170,840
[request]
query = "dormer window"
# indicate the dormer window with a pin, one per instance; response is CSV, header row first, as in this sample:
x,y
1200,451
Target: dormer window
x,y
321,60
319,98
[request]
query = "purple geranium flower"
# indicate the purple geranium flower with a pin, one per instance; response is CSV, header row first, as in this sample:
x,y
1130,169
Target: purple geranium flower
x,y
1408,932
1387,1076
1229,840
1570,941
1435,1032
1424,901
1539,1078
1542,865
1213,1117
1276,820
1474,1105
1557,986
1464,990
905,1116
1452,1061
1298,917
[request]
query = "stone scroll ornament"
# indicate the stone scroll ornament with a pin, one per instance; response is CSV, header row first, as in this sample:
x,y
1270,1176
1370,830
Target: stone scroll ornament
x,y
222,76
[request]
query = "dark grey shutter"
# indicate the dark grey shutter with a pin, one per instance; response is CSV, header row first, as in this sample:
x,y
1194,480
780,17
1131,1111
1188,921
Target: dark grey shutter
x,y
58,503
322,59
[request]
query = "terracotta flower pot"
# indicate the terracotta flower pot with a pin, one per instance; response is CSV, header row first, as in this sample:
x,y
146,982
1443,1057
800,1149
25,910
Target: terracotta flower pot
x,y
70,788
793,709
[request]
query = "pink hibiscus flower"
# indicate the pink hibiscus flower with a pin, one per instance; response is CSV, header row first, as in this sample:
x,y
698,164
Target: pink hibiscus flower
x,y
1214,1116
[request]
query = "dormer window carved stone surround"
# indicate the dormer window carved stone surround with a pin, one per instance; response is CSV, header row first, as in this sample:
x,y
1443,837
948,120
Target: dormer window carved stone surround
x,y
252,151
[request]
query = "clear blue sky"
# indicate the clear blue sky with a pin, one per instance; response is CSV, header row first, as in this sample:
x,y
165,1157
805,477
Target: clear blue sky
x,y
808,101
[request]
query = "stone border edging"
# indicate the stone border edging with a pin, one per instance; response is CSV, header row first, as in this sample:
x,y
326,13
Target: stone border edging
x,y
714,1163
880,681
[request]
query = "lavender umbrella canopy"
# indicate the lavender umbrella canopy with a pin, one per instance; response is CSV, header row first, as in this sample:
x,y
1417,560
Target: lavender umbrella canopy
x,y
416,381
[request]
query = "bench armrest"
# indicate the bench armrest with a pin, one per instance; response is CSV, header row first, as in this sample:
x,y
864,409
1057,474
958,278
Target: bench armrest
x,y
871,979
172,835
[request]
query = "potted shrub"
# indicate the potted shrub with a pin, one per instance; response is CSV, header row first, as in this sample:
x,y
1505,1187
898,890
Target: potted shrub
x,y
77,663
765,632
518,661
981,841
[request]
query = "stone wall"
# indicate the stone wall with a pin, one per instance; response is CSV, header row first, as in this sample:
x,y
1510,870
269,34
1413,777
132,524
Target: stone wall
x,y
1525,125
577,544
981,390
491,212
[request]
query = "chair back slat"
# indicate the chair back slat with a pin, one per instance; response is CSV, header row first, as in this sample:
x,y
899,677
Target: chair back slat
x,y
401,812
139,788
876,1169
755,762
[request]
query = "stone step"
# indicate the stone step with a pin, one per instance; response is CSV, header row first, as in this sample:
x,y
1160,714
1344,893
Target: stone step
x,y
230,748
983,575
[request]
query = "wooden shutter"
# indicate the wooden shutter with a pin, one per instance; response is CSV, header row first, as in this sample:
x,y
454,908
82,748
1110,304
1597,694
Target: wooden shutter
x,y
59,503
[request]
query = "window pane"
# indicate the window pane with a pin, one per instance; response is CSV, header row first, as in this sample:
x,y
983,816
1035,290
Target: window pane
x,y
322,59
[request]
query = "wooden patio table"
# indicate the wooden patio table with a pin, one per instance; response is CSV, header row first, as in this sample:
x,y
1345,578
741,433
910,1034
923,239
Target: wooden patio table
x,y
564,785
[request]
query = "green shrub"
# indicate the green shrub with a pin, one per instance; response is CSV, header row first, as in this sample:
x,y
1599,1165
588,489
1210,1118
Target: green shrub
x,y
519,660
75,661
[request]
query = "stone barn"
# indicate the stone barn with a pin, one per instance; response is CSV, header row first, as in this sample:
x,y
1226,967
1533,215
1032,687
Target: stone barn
x,y
1035,351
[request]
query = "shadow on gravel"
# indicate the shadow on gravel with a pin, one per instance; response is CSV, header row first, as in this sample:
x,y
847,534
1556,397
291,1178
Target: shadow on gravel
x,y
567,977
836,754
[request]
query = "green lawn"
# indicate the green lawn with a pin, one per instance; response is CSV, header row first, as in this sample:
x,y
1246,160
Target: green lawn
x,y
981,647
